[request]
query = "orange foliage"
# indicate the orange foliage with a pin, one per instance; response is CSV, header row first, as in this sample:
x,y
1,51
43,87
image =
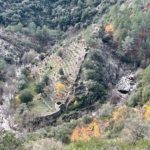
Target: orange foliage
x,y
59,87
85,133
109,28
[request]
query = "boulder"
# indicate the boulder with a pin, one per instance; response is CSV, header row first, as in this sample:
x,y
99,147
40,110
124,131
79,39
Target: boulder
x,y
127,84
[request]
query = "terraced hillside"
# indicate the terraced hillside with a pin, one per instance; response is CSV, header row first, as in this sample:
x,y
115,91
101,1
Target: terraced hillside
x,y
73,54
74,74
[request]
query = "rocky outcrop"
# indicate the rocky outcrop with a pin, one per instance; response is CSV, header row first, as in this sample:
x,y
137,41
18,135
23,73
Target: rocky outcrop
x,y
126,84
123,89
13,45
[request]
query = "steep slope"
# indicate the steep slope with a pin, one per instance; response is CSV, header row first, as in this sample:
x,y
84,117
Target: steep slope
x,y
11,50
75,71
72,57
55,14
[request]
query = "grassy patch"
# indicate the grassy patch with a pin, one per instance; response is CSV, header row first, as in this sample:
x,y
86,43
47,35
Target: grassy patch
x,y
87,32
40,108
100,144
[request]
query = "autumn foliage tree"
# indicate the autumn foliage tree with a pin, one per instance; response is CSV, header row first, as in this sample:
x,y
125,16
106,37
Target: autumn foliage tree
x,y
60,87
85,133
109,28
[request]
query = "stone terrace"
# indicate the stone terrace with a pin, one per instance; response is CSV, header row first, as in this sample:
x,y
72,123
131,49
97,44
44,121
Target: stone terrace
x,y
71,61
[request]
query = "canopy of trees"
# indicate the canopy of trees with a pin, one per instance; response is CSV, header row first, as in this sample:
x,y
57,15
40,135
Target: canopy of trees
x,y
55,13
132,33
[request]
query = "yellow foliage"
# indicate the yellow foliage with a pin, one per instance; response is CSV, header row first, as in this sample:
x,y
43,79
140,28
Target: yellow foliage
x,y
119,113
146,113
109,28
85,133
17,100
59,87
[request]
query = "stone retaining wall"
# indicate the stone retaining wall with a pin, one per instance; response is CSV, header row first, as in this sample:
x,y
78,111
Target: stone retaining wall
x,y
46,120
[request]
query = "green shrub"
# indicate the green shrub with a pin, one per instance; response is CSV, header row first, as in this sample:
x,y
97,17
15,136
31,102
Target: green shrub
x,y
102,144
2,64
46,80
92,75
133,100
87,119
97,90
106,111
25,72
15,28
146,76
115,129
145,94
61,71
22,84
135,129
142,95
60,54
9,142
26,96
39,87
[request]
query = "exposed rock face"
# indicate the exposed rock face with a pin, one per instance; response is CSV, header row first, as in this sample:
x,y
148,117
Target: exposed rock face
x,y
13,46
11,50
126,84
7,52
5,113
110,70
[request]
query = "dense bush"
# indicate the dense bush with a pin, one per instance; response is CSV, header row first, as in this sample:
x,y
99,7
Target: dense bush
x,y
39,87
135,129
87,119
97,90
94,76
115,128
106,111
9,142
60,54
23,116
26,96
142,95
29,57
43,34
61,71
133,100
26,72
22,83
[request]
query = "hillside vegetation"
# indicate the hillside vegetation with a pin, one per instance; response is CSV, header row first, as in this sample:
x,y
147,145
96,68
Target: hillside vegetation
x,y
74,75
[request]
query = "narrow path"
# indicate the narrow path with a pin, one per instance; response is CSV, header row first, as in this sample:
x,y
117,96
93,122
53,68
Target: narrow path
x,y
47,104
